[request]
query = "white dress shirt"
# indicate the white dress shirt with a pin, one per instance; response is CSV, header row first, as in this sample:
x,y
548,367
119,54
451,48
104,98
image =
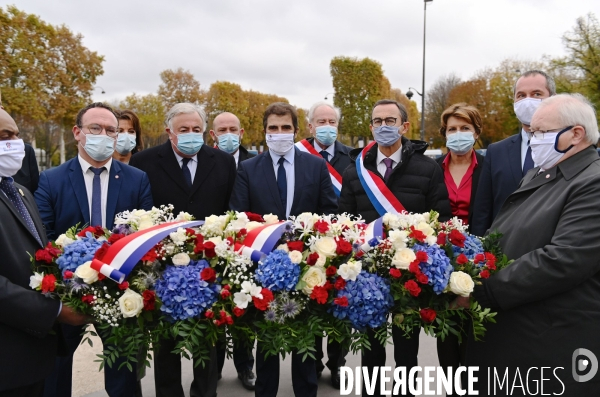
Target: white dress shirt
x,y
396,157
524,146
288,165
330,149
88,177
236,156
192,164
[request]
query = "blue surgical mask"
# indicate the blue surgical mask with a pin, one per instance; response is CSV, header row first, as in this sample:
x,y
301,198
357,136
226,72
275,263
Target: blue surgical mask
x,y
229,143
326,134
190,143
99,147
386,135
125,143
460,142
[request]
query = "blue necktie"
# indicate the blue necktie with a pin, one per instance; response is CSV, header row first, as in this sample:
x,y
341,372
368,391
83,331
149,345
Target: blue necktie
x,y
6,185
325,155
96,219
528,163
282,184
187,175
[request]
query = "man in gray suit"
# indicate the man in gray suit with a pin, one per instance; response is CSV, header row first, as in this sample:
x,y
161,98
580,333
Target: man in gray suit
x,y
548,299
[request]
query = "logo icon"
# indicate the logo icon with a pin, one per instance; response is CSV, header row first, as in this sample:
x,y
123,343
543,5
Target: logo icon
x,y
584,361
8,146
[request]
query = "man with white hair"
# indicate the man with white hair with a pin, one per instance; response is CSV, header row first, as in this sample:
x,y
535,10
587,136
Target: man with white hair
x,y
548,299
198,179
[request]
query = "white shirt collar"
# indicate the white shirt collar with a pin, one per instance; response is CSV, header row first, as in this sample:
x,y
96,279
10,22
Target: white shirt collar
x,y
525,136
396,156
85,166
179,158
289,156
330,149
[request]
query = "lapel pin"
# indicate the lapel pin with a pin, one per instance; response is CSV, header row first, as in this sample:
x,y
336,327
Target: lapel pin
x,y
547,176
22,194
116,176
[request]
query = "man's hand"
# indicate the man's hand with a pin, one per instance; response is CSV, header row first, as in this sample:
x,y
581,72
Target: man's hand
x,y
69,316
461,302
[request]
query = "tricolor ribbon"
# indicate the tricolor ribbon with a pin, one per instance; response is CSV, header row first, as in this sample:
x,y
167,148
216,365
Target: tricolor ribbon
x,y
261,241
122,256
373,235
336,178
379,194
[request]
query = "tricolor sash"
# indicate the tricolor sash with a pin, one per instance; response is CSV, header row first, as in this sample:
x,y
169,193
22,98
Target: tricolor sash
x,y
261,241
379,194
336,178
122,256
373,235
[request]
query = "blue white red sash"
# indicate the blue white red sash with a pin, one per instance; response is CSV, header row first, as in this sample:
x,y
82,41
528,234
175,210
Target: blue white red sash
x,y
261,240
122,256
373,235
379,194
336,178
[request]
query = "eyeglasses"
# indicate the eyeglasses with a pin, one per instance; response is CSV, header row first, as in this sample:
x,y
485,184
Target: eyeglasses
x,y
540,134
96,129
389,121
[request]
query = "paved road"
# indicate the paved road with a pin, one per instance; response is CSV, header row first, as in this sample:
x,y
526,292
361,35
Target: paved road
x,y
229,386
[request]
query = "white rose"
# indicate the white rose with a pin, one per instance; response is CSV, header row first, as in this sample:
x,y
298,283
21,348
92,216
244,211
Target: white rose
x,y
36,280
391,220
283,247
325,246
241,299
184,216
431,240
63,240
131,303
321,261
252,225
398,238
425,228
307,220
314,276
403,258
350,270
181,259
461,283
270,219
295,256
86,273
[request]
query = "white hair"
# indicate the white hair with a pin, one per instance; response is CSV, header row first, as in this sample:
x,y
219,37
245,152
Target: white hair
x,y
575,109
313,108
184,108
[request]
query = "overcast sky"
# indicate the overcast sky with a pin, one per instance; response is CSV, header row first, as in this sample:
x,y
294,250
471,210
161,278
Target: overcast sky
x,y
284,47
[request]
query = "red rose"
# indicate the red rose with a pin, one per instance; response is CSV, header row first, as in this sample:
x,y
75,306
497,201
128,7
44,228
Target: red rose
x,y
479,258
229,320
149,299
428,315
422,278
319,294
101,252
295,245
123,286
209,249
68,275
491,265
97,231
462,259
47,254
340,283
441,239
343,247
490,257
227,287
312,259
190,232
115,237
208,274
150,256
484,274
48,283
87,299
331,271
395,273
414,267
417,234
412,287
457,238
252,217
328,285
263,304
238,312
343,301
199,244
242,232
321,226
225,294
422,256
209,313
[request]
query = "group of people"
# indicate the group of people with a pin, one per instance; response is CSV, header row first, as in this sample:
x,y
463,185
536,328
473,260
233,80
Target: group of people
x,y
539,188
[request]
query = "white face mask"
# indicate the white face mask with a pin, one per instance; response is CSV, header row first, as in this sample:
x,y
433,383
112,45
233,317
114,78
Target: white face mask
x,y
543,150
280,144
12,153
525,108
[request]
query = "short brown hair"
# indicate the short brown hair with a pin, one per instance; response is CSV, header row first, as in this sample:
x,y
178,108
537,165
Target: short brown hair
x,y
135,121
92,106
281,109
465,112
401,108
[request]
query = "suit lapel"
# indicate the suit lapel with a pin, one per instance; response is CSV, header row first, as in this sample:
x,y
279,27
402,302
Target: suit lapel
x,y
299,178
269,174
336,156
514,159
114,187
78,185
204,167
37,221
32,210
171,166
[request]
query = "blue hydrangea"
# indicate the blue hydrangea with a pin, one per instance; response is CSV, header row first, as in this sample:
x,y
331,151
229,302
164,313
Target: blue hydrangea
x,y
472,247
369,301
277,272
437,268
78,252
183,293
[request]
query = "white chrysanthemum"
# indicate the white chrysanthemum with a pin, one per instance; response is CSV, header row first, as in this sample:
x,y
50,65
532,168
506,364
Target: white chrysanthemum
x,y
270,219
181,259
350,270
398,238
179,237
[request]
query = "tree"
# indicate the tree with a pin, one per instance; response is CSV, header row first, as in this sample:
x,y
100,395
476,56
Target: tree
x,y
413,113
436,101
223,96
151,112
257,104
179,86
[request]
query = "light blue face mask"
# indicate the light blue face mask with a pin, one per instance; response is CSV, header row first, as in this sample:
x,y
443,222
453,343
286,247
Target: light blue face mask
x,y
326,134
386,135
190,143
229,143
125,143
99,147
460,142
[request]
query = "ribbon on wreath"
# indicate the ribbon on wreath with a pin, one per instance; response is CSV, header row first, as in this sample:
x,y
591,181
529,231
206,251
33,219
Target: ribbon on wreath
x,y
261,241
374,233
336,178
122,256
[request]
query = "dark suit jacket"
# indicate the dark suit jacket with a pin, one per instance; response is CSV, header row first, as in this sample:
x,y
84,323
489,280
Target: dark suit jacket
x,y
474,181
256,187
244,155
548,299
27,349
62,199
212,185
341,160
500,176
29,174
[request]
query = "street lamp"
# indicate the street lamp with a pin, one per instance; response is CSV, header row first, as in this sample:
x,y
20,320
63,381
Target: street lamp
x,y
104,92
331,93
423,81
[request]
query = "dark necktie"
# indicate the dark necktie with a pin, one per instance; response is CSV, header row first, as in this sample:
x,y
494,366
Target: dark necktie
x,y
187,175
282,183
528,163
6,185
388,164
96,219
325,155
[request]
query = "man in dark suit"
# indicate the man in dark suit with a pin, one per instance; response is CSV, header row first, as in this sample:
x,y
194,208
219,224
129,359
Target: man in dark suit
x,y
548,299
285,182
507,161
90,190
198,179
28,343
